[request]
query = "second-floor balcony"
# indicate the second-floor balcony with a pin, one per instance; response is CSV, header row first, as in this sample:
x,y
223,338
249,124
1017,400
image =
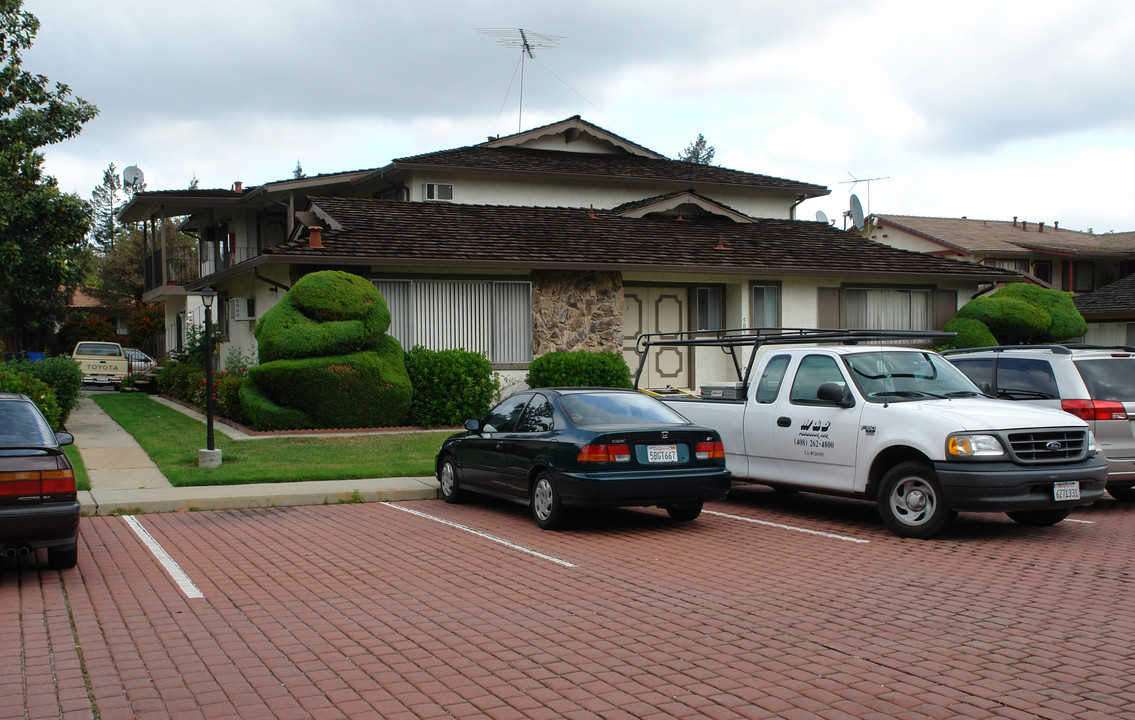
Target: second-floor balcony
x,y
179,266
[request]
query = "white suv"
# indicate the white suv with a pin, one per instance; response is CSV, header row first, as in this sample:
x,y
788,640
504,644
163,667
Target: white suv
x,y
1092,382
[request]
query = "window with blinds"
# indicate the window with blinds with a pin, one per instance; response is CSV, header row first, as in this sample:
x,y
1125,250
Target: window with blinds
x,y
494,318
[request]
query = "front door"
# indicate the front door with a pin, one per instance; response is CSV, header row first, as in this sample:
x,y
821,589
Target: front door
x,y
651,309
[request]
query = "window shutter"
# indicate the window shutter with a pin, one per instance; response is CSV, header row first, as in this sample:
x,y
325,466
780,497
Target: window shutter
x,y
945,307
827,308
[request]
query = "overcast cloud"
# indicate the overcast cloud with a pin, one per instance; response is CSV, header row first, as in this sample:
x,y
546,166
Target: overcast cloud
x,y
988,110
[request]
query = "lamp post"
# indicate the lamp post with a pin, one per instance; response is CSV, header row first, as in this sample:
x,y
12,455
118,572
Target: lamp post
x,y
208,457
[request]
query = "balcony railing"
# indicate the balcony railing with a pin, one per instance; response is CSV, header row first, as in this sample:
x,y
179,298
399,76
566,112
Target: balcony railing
x,y
180,267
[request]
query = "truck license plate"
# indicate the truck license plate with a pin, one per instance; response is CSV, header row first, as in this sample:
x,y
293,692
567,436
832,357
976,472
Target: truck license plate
x,y
662,453
1066,490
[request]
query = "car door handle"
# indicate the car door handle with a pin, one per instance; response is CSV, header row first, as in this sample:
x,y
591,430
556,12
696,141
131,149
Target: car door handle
x,y
784,421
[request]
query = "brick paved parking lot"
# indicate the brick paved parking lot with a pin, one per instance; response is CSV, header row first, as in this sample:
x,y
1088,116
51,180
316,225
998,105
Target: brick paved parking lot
x,y
770,605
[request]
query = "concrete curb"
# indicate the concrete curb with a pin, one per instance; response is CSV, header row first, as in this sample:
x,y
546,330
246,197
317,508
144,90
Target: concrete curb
x,y
259,495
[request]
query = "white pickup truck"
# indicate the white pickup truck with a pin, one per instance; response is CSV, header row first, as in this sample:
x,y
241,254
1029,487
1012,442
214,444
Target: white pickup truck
x,y
819,411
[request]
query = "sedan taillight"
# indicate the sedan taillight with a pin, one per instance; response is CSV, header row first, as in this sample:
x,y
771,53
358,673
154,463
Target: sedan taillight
x,y
48,484
1094,409
604,453
709,450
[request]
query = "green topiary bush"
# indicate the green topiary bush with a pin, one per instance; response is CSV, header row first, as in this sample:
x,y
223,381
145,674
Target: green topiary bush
x,y
17,380
450,386
325,360
971,333
1066,321
1011,321
579,369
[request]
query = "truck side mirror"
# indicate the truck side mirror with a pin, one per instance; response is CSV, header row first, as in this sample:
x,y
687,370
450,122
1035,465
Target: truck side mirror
x,y
836,395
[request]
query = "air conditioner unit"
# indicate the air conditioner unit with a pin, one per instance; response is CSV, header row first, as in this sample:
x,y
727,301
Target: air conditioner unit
x,y
242,309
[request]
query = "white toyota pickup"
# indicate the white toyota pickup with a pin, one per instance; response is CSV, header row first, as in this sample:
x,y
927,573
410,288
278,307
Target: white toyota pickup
x,y
816,410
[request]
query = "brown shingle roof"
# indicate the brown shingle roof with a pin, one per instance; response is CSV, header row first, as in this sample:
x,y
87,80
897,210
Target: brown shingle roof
x,y
1118,297
1006,238
458,235
620,167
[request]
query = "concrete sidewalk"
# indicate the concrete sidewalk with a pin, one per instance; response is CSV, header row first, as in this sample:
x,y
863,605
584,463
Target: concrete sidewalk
x,y
125,480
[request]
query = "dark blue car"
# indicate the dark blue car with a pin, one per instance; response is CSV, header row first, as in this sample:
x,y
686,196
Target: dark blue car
x,y
557,448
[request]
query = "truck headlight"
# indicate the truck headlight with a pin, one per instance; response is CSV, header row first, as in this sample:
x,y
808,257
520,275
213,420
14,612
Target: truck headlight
x,y
974,446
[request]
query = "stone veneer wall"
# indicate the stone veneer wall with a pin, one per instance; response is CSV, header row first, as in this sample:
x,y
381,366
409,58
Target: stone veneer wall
x,y
577,311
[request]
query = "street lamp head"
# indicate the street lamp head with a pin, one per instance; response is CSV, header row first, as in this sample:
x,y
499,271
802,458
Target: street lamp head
x,y
207,295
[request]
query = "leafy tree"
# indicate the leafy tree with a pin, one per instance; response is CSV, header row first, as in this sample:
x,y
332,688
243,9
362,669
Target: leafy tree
x,y
41,228
698,152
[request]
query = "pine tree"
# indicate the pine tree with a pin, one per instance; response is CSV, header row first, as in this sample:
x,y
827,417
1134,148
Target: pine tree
x,y
699,152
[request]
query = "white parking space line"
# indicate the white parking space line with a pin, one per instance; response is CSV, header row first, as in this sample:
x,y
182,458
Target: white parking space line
x,y
1085,522
478,533
175,572
786,527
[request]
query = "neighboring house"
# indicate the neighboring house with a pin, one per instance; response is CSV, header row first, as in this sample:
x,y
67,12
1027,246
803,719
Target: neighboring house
x,y
80,304
1083,263
564,237
1058,258
1110,312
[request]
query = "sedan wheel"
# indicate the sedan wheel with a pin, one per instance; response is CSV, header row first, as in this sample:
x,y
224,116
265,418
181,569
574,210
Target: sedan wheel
x,y
911,503
546,506
447,479
684,513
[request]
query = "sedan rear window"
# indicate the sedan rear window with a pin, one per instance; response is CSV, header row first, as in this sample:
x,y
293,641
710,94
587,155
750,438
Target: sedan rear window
x,y
21,425
618,409
1109,378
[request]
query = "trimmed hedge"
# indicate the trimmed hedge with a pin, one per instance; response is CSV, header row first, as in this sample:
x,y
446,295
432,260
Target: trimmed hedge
x,y
579,368
450,386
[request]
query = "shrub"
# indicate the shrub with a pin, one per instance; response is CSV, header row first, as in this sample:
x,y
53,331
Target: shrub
x,y
450,386
182,380
226,395
88,327
144,321
579,369
971,333
1066,320
65,379
15,379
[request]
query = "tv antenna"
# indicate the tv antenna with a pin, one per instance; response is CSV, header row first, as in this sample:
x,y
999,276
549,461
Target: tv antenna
x,y
855,181
527,41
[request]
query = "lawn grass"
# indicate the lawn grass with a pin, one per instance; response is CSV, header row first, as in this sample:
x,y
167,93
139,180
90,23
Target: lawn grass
x,y
172,440
82,480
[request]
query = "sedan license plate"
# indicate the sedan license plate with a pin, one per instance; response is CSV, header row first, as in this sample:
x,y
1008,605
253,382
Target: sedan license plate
x,y
1066,490
662,453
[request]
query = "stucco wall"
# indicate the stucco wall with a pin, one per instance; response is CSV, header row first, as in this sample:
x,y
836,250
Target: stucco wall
x,y
577,311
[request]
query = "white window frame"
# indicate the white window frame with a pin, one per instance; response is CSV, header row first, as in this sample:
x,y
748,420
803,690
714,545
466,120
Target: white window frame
x,y
493,317
437,192
769,316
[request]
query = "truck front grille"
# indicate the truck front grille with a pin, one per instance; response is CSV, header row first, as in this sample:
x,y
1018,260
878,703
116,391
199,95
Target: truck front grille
x,y
1038,446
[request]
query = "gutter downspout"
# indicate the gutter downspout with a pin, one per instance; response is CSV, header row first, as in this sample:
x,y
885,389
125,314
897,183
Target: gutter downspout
x,y
792,210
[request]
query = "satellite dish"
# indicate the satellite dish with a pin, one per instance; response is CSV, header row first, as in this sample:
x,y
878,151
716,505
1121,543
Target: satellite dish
x,y
132,176
821,217
856,212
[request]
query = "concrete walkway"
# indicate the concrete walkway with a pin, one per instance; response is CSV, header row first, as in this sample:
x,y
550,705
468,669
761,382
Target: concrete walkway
x,y
125,480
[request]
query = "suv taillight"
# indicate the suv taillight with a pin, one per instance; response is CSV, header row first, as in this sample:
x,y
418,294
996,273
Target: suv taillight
x,y
1094,409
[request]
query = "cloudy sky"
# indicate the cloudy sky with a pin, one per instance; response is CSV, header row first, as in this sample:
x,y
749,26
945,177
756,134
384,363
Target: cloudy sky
x,y
976,108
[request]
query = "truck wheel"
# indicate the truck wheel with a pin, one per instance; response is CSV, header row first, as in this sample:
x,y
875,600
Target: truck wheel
x,y
450,490
684,513
546,507
911,503
1121,493
1040,518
